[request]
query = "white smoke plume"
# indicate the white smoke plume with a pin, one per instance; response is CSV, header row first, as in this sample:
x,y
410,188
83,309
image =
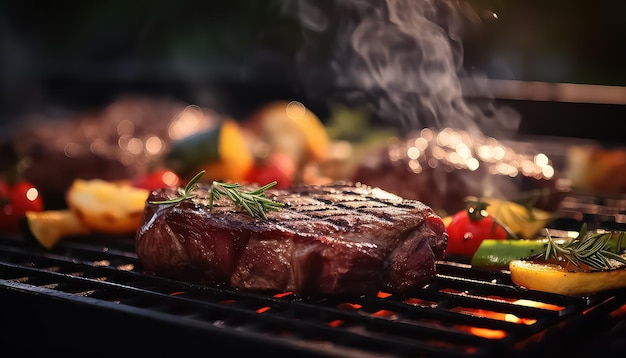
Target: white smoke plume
x,y
403,57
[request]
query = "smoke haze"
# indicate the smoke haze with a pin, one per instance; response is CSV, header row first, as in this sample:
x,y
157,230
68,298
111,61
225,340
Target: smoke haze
x,y
404,58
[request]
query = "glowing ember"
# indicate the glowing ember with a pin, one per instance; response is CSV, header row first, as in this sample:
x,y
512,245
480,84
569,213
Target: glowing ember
x,y
126,267
336,323
620,312
500,316
420,302
283,294
487,333
263,309
385,314
542,305
349,306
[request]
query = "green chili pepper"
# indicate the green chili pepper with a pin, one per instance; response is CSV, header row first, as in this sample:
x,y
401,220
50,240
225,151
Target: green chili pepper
x,y
498,253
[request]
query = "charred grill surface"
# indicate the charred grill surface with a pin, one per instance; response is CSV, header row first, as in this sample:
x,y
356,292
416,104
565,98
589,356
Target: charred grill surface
x,y
334,239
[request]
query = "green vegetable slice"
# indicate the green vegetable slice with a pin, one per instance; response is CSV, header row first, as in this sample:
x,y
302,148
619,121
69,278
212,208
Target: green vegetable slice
x,y
498,253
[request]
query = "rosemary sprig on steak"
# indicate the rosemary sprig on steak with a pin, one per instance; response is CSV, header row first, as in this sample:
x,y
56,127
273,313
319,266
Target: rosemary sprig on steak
x,y
254,202
185,193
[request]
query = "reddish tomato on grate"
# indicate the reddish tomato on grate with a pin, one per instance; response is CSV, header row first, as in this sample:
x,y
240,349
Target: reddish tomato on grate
x,y
470,227
15,200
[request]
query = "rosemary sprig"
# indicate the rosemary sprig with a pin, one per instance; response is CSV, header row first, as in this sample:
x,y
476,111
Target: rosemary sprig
x,y
254,202
592,249
184,193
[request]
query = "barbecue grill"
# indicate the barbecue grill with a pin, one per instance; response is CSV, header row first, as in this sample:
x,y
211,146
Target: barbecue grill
x,y
89,296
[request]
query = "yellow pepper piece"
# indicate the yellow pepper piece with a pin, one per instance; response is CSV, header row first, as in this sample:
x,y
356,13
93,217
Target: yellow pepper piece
x,y
546,277
106,206
524,223
50,226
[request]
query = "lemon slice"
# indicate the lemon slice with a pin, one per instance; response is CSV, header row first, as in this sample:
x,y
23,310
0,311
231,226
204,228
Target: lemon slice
x,y
553,278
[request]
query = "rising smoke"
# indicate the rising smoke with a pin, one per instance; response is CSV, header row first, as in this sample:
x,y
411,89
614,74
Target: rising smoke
x,y
402,58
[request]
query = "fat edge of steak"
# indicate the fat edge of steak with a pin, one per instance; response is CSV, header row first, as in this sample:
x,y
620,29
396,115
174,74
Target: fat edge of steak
x,y
333,239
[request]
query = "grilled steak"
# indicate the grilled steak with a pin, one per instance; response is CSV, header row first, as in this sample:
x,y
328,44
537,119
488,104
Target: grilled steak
x,y
334,239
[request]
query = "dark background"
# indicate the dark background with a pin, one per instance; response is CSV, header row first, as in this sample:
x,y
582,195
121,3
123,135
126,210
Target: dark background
x,y
236,55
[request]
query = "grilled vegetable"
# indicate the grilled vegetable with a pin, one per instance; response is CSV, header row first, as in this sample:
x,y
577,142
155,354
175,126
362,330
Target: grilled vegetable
x,y
48,227
156,179
589,263
549,277
277,167
469,227
499,253
291,129
221,151
524,221
107,207
15,200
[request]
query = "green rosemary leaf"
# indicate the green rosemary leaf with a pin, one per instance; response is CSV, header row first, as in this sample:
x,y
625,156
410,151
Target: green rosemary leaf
x,y
592,249
592,245
254,202
614,256
184,193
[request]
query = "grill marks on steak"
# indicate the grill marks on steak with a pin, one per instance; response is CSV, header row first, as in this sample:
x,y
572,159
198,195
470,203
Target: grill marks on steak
x,y
333,239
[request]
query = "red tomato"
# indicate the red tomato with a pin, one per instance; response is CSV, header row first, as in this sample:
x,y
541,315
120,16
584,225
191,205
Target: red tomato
x,y
15,201
470,227
160,178
277,167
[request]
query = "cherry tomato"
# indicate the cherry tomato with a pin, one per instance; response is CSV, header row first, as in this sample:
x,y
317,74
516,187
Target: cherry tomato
x,y
15,201
277,167
468,228
157,179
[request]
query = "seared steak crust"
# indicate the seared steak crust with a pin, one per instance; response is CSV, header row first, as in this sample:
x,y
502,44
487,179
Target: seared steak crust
x,y
333,239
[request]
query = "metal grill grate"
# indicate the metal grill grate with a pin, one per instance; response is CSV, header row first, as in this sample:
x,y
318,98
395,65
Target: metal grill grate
x,y
95,292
